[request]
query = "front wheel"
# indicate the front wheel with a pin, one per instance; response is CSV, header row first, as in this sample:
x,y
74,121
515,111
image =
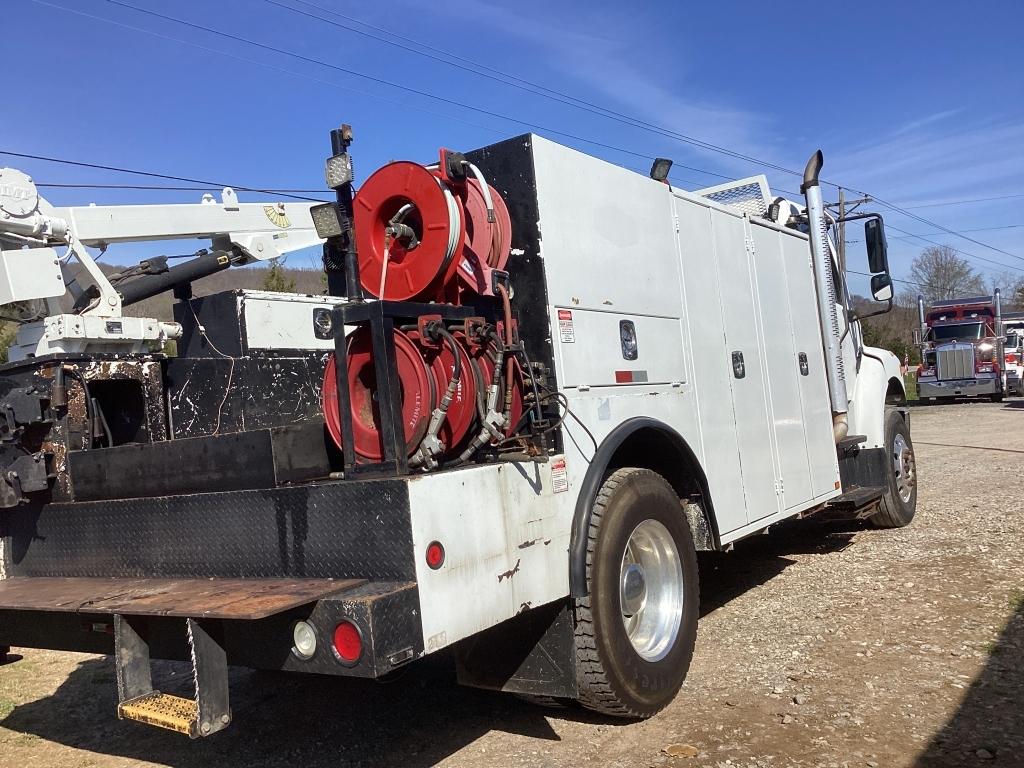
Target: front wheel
x,y
899,503
636,629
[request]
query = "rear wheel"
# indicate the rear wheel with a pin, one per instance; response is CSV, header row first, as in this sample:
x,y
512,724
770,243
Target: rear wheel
x,y
899,503
636,629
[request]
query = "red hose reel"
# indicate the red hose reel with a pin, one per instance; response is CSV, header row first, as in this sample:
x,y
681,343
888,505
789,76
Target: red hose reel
x,y
425,370
428,235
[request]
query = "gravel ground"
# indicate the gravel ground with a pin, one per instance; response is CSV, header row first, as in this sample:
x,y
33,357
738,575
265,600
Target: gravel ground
x,y
822,644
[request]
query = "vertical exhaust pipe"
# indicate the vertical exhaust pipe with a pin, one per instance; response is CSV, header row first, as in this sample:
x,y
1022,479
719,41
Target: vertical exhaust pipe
x,y
825,286
999,312
922,325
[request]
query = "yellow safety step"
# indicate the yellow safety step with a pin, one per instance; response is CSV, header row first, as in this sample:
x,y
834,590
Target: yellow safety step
x,y
137,700
164,711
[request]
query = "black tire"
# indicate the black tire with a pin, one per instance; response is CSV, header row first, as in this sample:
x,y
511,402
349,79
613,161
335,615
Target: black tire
x,y
996,398
613,677
895,511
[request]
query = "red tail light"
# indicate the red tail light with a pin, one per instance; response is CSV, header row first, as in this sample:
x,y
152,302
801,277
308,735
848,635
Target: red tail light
x,y
435,555
1011,359
348,643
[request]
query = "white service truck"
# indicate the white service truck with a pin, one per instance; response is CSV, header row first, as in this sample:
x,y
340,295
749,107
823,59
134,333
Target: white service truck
x,y
541,383
1013,352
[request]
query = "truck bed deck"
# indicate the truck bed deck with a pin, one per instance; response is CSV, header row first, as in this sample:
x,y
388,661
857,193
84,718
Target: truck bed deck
x,y
243,599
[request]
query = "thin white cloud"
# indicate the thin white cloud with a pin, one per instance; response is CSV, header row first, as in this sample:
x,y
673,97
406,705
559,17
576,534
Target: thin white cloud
x,y
943,159
605,52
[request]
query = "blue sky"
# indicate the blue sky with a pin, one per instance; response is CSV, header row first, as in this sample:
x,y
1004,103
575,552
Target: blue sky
x,y
919,103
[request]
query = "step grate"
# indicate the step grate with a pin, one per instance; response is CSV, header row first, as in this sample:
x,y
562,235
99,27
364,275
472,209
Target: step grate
x,y
162,710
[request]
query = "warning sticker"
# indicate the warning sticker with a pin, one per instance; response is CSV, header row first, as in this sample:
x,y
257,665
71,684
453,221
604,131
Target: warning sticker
x,y
559,475
565,329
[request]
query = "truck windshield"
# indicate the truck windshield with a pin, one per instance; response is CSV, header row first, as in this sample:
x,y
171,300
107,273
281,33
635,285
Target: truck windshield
x,y
960,331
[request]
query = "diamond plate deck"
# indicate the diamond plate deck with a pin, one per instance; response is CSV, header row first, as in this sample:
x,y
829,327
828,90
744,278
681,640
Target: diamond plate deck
x,y
245,599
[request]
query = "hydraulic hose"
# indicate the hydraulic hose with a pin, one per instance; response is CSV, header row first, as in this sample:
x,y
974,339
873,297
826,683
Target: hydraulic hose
x,y
506,305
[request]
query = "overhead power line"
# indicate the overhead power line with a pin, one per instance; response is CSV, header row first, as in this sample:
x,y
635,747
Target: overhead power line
x,y
979,229
403,104
965,202
152,175
461,105
945,230
894,279
168,188
962,252
371,78
482,70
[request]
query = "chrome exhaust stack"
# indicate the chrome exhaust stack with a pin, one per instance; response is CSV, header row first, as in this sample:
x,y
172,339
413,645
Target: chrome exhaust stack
x,y
825,286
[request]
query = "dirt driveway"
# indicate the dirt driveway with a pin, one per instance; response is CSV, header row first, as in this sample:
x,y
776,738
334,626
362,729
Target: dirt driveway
x,y
822,644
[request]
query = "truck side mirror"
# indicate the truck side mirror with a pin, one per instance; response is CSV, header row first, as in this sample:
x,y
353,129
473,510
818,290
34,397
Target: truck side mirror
x,y
881,287
878,256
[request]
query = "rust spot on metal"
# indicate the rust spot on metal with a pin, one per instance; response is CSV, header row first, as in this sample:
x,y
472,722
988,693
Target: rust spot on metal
x,y
509,573
528,543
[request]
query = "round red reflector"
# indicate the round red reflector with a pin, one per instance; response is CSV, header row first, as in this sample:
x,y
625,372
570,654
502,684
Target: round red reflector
x,y
348,642
435,555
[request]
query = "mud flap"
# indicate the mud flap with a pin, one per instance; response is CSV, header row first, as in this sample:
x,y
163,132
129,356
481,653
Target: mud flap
x,y
532,653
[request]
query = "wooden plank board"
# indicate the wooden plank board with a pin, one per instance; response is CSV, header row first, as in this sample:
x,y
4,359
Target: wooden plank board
x,y
187,598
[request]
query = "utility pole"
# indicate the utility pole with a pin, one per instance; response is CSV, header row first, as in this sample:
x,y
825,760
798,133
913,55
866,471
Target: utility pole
x,y
841,212
842,230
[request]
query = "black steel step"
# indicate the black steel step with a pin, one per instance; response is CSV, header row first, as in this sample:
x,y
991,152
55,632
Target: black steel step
x,y
855,499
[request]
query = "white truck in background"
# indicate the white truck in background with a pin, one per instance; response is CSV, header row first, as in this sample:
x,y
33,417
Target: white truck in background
x,y
1013,352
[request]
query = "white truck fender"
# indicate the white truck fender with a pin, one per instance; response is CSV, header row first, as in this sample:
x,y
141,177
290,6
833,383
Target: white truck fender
x,y
879,382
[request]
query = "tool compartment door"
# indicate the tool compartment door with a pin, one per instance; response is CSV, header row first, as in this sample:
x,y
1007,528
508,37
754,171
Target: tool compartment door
x,y
743,360
814,398
782,364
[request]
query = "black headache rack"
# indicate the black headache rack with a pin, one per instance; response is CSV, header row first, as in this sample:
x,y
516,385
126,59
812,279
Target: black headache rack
x,y
227,577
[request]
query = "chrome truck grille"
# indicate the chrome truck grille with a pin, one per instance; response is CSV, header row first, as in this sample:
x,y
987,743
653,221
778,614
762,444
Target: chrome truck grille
x,y
955,361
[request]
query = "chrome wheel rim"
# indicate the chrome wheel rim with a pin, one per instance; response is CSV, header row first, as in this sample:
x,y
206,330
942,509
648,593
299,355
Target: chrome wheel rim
x,y
903,467
651,590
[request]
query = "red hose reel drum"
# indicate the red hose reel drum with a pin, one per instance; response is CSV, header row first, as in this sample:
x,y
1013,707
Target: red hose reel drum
x,y
483,361
487,243
418,392
436,217
450,222
461,415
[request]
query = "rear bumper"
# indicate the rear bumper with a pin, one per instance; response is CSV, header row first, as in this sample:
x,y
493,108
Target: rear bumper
x,y
386,615
979,387
352,530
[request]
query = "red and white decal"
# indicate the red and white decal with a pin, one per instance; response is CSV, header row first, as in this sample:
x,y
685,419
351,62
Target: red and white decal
x,y
565,330
559,475
630,377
